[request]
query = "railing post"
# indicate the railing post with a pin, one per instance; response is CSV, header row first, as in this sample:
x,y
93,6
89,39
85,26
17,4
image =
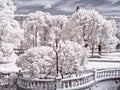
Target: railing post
x,y
95,74
58,82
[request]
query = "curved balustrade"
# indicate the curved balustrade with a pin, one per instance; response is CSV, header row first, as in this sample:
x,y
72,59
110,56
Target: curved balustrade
x,y
44,84
108,73
78,81
70,83
91,78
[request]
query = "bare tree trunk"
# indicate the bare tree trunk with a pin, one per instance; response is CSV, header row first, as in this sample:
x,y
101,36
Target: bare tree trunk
x,y
99,49
36,37
92,50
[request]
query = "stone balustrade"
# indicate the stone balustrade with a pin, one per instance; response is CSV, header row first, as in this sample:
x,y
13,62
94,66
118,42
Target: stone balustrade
x,y
108,73
77,81
44,84
69,83
90,78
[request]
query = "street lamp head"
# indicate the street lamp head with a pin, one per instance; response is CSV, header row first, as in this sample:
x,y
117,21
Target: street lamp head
x,y
57,45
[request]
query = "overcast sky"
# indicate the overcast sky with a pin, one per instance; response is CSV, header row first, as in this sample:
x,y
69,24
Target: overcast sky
x,y
106,7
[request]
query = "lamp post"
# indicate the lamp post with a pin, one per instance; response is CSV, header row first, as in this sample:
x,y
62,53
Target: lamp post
x,y
56,48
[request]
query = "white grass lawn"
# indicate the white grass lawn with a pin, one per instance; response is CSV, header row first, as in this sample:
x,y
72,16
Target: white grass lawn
x,y
107,60
9,67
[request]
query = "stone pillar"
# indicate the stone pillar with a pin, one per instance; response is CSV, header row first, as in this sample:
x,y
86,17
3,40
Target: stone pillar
x,y
58,82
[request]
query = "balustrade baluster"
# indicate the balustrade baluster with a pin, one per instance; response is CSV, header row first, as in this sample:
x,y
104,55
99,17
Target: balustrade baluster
x,y
24,82
37,84
80,81
21,83
33,84
27,84
87,79
69,83
115,72
83,80
99,74
118,72
111,72
77,83
66,85
73,83
42,84
90,78
63,85
51,85
47,85
107,73
30,85
103,74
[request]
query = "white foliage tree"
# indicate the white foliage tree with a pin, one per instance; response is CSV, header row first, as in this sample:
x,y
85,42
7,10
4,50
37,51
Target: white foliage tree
x,y
88,28
10,32
41,28
41,61
111,39
37,61
72,57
